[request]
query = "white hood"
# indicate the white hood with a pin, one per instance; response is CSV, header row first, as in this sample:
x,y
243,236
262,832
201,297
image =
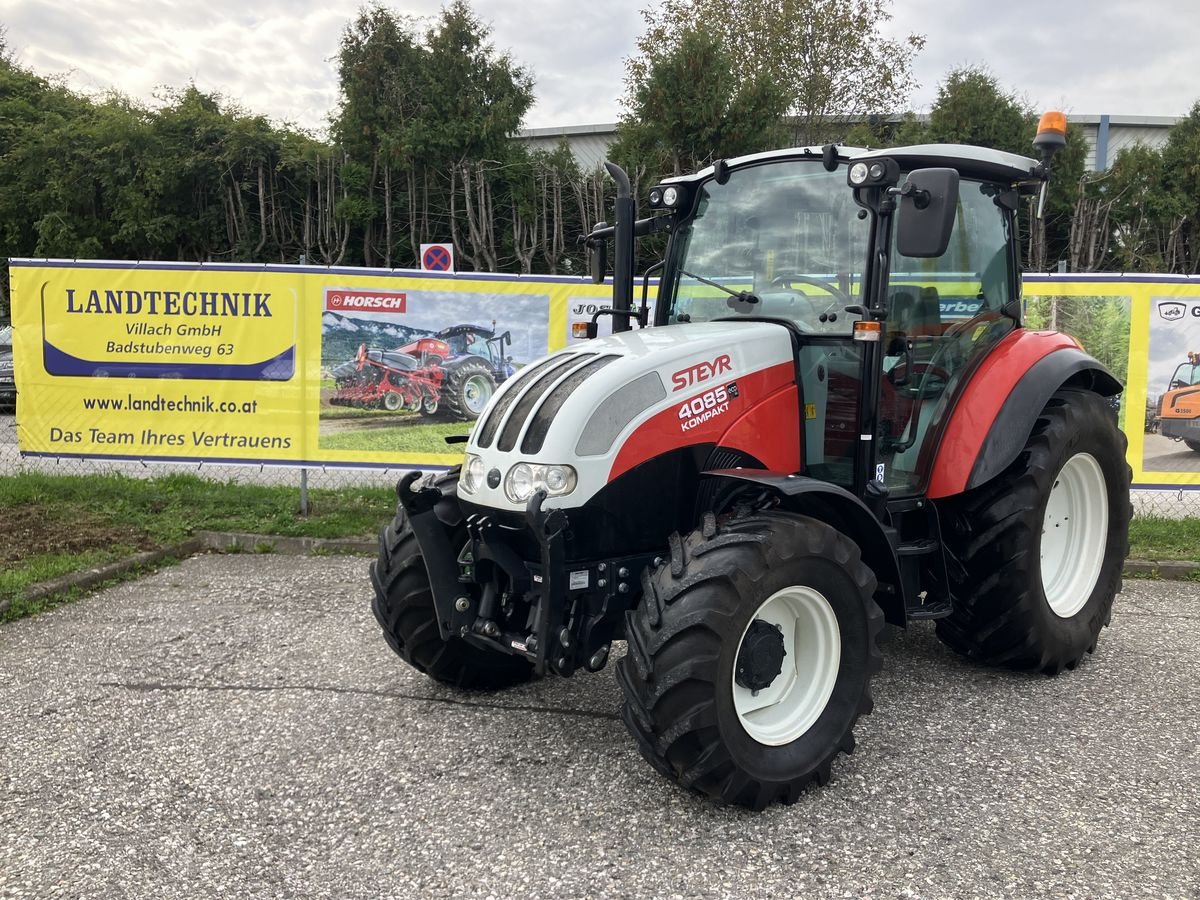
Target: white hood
x,y
578,407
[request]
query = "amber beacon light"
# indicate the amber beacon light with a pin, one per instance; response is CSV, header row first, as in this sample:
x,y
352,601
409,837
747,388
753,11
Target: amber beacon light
x,y
1051,134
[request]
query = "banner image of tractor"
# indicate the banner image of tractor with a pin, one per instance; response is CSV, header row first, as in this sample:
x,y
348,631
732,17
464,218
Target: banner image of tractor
x,y
402,370
1172,417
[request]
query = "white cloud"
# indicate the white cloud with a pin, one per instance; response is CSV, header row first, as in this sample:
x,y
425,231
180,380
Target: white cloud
x,y
276,56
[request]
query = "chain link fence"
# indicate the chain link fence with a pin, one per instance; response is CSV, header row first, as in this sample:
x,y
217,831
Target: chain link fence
x,y
1175,503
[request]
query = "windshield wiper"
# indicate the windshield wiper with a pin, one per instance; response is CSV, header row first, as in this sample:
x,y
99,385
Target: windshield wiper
x,y
741,296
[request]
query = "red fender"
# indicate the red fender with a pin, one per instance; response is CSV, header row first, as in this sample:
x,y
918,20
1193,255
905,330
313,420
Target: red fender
x,y
982,400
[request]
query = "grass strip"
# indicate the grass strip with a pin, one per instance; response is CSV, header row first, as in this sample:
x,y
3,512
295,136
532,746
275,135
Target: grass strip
x,y
1153,537
55,524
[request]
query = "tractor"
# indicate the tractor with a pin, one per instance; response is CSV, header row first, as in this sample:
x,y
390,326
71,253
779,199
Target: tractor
x,y
1179,407
454,372
801,441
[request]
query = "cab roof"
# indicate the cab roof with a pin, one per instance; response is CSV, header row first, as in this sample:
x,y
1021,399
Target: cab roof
x,y
971,162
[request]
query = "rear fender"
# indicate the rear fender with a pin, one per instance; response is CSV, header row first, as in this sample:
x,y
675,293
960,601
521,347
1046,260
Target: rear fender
x,y
998,408
837,507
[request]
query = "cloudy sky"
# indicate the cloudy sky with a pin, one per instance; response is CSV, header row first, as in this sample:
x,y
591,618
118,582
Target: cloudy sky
x,y
275,56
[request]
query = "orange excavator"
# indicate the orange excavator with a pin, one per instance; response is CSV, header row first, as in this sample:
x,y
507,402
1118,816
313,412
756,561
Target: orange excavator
x,y
1179,407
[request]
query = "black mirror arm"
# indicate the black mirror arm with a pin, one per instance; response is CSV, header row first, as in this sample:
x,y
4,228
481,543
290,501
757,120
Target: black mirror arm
x,y
920,198
593,328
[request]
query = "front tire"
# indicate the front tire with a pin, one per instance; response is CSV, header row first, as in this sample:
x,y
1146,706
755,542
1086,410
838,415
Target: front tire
x,y
1035,555
403,606
698,715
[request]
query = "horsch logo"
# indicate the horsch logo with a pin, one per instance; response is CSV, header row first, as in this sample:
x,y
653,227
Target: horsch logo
x,y
365,301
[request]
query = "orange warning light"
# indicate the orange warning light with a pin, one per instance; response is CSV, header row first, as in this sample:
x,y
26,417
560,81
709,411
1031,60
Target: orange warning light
x,y
1053,122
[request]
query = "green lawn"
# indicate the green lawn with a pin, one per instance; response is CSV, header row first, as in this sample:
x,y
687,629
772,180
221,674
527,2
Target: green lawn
x,y
1154,538
400,439
53,525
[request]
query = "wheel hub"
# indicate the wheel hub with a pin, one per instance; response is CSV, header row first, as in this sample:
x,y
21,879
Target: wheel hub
x,y
760,658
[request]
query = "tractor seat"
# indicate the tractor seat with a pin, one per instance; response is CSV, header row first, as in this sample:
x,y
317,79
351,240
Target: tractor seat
x,y
915,311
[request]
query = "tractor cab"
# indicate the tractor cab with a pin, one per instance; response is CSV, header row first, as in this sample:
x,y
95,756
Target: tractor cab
x,y
788,237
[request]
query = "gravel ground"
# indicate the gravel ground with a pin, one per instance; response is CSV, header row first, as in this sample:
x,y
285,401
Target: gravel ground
x,y
235,726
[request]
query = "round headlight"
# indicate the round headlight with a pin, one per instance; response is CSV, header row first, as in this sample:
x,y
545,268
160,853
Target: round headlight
x,y
655,197
858,173
473,474
876,171
670,196
520,482
559,479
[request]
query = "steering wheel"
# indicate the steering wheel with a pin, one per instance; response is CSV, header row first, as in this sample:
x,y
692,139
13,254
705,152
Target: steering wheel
x,y
925,380
787,279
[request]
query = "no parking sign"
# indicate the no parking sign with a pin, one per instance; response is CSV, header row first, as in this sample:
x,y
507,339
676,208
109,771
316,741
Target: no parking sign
x,y
437,257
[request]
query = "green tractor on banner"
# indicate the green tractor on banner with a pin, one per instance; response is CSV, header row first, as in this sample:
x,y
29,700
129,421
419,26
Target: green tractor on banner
x,y
831,418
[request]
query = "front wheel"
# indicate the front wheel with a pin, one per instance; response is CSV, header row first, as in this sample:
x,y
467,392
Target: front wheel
x,y
1192,445
750,657
403,606
1036,554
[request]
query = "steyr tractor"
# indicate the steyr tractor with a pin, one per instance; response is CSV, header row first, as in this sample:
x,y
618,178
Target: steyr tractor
x,y
836,420
1179,406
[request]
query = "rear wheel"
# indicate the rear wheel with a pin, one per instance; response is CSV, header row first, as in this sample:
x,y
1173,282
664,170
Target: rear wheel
x,y
1036,554
467,388
1192,445
392,401
403,606
750,657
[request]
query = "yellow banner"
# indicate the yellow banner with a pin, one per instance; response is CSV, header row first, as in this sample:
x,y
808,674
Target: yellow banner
x,y
1142,327
276,365
351,367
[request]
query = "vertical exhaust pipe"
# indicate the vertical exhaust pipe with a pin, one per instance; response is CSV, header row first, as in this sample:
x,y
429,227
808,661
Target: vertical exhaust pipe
x,y
626,213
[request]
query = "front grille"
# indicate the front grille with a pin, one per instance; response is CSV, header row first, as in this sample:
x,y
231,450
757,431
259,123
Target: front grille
x,y
532,394
522,378
535,436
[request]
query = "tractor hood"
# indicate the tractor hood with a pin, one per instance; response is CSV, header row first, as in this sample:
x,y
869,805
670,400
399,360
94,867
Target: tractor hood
x,y
604,406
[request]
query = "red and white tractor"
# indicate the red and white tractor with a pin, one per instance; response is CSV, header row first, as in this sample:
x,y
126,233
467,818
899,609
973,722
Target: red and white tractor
x,y
837,420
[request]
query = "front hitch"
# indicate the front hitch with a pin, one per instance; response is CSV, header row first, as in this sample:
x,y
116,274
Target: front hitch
x,y
548,528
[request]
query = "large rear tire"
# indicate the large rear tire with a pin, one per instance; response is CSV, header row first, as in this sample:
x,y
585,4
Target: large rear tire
x,y
1035,555
1192,445
403,606
709,698
467,388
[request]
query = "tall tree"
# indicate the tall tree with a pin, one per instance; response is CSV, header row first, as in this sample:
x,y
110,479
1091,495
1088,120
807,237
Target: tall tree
x,y
830,58
691,107
1181,167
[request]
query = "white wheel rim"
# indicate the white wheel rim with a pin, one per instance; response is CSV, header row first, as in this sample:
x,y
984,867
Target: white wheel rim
x,y
1074,534
477,392
792,703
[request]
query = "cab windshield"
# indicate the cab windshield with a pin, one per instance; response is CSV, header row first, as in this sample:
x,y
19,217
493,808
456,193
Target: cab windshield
x,y
1186,376
784,239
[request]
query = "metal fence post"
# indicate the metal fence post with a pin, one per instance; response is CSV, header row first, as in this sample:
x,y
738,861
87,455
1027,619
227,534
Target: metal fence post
x,y
303,491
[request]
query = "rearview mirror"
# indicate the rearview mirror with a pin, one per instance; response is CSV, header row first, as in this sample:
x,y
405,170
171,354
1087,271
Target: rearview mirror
x,y
928,202
598,259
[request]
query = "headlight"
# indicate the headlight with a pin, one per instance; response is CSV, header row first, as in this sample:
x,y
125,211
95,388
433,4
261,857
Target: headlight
x,y
858,173
670,196
526,478
472,478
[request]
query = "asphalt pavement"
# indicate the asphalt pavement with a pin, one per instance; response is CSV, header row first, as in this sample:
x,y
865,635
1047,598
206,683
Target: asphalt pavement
x,y
1162,454
236,727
